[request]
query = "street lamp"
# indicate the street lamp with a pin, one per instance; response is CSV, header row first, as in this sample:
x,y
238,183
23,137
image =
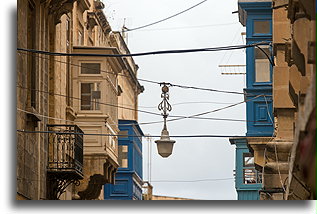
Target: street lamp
x,y
165,144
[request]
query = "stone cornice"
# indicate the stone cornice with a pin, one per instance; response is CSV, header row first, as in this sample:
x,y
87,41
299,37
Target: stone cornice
x,y
57,8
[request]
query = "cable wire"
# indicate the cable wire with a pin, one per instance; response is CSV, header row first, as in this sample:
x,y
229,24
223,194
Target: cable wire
x,y
183,103
147,25
190,181
189,27
195,116
139,79
205,89
144,123
75,65
233,47
118,135
178,181
215,110
145,80
97,102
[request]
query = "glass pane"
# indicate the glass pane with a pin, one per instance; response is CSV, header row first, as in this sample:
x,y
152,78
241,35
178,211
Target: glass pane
x,y
123,156
262,70
86,96
259,53
248,160
262,27
249,176
124,149
86,88
96,104
97,98
85,100
262,65
123,134
90,68
124,163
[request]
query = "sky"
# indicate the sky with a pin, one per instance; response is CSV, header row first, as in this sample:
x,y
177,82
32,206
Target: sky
x,y
194,160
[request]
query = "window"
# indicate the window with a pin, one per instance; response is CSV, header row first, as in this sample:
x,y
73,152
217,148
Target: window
x,y
123,134
248,160
90,96
262,64
123,156
261,27
90,68
250,174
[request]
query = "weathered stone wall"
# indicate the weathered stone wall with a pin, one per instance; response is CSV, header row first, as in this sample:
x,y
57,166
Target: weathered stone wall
x,y
293,98
31,147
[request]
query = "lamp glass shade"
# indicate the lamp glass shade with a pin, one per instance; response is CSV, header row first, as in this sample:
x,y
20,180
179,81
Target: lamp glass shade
x,y
165,147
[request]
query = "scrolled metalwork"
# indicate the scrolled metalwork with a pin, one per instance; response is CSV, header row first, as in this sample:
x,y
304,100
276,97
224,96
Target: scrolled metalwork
x,y
65,147
165,106
65,158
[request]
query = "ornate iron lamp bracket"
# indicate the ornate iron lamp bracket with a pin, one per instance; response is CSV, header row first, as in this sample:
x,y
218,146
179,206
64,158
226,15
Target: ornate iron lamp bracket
x,y
165,144
165,106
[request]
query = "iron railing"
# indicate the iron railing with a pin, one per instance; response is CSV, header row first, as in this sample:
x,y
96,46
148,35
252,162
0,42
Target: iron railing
x,y
65,147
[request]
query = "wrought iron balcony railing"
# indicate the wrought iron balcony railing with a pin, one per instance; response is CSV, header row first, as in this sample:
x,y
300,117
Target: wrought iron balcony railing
x,y
65,148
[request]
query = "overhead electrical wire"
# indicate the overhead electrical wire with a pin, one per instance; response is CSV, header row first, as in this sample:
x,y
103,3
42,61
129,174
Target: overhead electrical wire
x,y
232,42
76,98
190,27
205,89
190,181
118,135
144,80
144,123
162,181
153,23
195,116
154,107
72,64
181,86
215,110
233,47
193,102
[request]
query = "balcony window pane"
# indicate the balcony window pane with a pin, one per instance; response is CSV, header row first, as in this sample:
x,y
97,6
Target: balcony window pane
x,y
249,176
86,87
96,96
249,161
90,68
123,134
90,96
86,96
262,65
123,156
261,27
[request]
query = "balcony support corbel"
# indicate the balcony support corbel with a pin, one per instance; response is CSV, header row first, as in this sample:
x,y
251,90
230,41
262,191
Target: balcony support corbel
x,y
56,186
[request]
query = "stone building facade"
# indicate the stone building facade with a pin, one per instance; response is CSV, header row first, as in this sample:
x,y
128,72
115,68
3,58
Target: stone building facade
x,y
295,55
36,29
287,160
61,97
288,172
